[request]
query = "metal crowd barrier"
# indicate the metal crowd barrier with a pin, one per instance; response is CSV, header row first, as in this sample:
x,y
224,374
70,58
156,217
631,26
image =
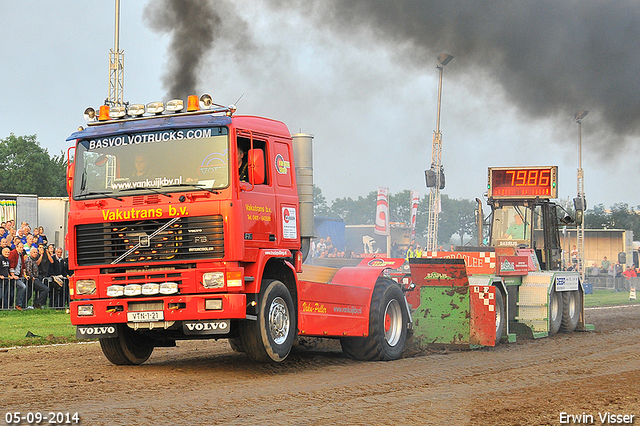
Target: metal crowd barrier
x,y
58,297
607,282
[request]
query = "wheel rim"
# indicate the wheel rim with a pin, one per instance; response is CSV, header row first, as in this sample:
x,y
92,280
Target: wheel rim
x,y
554,308
279,320
393,322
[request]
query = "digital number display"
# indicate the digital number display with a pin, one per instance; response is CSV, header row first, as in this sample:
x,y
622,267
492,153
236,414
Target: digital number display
x,y
523,182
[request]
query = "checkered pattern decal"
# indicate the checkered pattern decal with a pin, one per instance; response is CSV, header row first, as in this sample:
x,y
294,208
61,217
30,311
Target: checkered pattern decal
x,y
482,292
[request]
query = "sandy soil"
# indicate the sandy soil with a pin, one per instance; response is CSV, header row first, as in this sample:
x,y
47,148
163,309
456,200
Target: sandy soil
x,y
530,382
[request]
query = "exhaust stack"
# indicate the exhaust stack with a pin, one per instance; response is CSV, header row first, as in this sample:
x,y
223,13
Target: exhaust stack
x,y
303,157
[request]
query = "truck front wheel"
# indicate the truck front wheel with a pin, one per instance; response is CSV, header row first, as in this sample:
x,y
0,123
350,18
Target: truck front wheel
x,y
270,338
388,319
129,348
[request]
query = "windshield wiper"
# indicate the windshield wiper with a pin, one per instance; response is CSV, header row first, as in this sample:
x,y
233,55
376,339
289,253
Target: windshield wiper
x,y
152,189
192,185
105,193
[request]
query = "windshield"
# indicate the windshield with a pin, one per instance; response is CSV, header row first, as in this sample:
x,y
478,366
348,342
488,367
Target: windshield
x,y
163,161
511,225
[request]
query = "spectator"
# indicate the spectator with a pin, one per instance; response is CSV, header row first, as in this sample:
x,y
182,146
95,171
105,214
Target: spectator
x,y
16,272
16,241
6,276
43,236
618,269
574,255
605,264
55,277
410,252
20,234
32,273
418,252
630,273
29,244
36,236
595,270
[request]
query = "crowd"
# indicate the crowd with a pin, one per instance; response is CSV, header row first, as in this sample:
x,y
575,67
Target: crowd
x,y
31,267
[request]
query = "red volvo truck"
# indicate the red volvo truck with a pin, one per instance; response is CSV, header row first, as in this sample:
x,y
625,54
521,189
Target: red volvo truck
x,y
194,224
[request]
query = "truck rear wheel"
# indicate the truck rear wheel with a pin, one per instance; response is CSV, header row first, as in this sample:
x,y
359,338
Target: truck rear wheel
x,y
388,319
555,312
129,348
572,306
270,338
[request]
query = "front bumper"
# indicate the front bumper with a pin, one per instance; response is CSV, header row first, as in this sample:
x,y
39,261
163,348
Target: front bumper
x,y
174,308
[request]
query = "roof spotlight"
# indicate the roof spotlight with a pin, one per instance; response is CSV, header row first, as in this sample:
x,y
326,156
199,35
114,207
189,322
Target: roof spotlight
x,y
90,114
206,101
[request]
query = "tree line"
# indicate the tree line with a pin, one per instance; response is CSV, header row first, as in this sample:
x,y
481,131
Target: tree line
x,y
458,216
28,168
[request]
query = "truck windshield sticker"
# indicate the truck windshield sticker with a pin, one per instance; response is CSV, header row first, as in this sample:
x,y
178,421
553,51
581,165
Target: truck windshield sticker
x,y
165,161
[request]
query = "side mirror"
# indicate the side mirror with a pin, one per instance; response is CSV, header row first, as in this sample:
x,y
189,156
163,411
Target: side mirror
x,y
257,172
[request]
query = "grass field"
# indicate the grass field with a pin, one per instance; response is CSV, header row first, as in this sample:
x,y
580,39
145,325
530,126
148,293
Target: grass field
x,y
50,325
54,326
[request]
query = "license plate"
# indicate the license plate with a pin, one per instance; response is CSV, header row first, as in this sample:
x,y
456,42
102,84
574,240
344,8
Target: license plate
x,y
149,316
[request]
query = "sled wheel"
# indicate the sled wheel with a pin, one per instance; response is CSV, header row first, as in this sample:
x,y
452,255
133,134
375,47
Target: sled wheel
x,y
270,338
500,315
387,326
555,312
129,348
572,306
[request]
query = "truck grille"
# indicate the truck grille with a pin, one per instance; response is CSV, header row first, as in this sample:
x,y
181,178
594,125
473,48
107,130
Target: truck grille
x,y
184,239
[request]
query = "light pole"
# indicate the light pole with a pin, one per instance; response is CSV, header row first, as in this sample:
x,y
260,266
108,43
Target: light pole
x,y
580,115
435,176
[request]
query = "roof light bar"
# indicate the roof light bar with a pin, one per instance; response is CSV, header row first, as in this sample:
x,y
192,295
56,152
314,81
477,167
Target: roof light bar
x,y
155,107
136,110
175,105
117,111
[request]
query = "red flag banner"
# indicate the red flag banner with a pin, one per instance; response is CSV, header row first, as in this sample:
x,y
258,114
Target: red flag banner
x,y
382,211
415,200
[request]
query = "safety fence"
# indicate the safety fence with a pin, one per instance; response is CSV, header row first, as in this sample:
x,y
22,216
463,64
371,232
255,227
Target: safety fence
x,y
608,282
11,289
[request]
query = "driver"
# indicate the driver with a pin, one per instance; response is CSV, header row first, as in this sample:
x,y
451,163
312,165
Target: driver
x,y
517,230
142,166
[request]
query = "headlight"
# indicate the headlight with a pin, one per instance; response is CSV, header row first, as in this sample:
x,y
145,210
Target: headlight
x,y
213,304
213,280
133,290
85,310
150,288
85,287
115,291
168,288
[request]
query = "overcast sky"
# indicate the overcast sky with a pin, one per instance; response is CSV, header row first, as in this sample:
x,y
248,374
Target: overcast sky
x,y
361,77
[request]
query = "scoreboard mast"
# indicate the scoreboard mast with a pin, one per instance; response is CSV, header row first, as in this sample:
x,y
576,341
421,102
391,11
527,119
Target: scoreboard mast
x,y
523,182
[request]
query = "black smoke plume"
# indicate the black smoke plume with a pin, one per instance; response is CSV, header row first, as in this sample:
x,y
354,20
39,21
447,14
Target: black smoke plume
x,y
194,27
552,58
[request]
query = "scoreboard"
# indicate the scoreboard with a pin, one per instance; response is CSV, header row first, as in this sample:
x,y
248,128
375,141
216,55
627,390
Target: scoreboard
x,y
523,182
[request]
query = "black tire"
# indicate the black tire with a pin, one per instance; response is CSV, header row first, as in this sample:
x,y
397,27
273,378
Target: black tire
x,y
500,315
129,348
270,338
555,312
388,319
236,344
571,309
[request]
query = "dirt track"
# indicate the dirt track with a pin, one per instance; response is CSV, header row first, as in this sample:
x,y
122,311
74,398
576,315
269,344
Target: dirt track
x,y
199,383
